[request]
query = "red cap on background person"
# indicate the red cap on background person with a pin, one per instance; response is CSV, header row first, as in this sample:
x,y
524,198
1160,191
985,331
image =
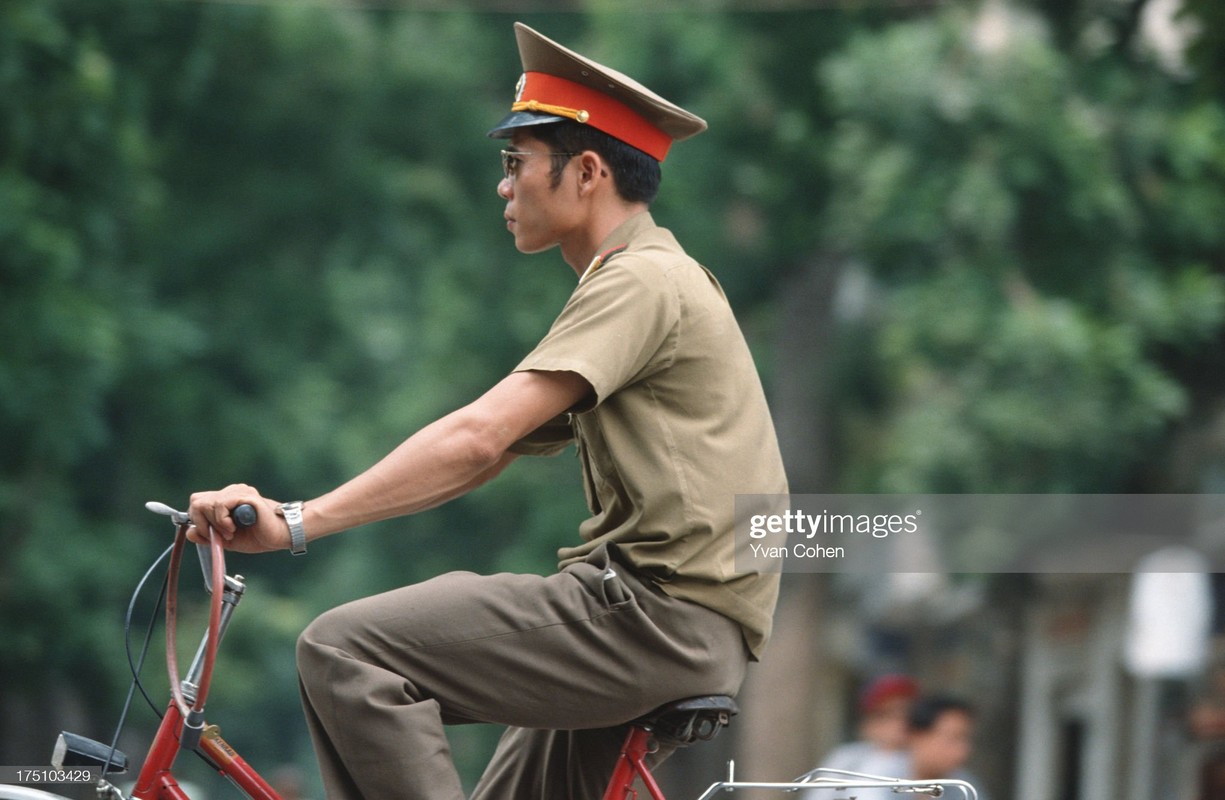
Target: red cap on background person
x,y
886,688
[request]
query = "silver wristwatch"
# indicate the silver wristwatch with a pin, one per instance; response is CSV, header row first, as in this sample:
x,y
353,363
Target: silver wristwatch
x,y
297,534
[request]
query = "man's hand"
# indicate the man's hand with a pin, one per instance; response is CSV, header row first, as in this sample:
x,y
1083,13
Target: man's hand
x,y
270,531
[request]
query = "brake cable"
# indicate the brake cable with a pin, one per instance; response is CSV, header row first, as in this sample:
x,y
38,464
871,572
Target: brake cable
x,y
136,665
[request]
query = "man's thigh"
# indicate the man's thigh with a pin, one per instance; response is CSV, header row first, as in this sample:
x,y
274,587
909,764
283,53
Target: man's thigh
x,y
589,647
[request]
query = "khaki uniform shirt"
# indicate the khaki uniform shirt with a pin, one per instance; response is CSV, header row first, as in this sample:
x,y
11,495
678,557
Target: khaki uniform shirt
x,y
677,425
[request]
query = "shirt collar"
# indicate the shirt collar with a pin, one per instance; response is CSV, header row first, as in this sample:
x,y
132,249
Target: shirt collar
x,y
617,241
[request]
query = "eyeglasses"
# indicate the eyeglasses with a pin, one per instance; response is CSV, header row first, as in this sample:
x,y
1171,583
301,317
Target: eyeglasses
x,y
511,158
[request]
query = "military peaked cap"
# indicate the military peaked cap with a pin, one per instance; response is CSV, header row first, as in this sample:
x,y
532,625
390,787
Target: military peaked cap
x,y
559,84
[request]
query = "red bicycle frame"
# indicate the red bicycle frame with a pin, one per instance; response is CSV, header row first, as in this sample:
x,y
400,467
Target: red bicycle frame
x,y
678,724
632,764
157,781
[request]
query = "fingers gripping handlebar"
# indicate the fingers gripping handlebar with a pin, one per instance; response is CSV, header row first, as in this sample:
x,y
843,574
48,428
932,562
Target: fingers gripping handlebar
x,y
244,515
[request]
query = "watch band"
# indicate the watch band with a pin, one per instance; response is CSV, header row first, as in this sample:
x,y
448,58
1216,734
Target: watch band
x,y
297,534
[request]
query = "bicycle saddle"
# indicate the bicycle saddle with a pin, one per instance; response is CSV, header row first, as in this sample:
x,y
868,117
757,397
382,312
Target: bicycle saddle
x,y
683,722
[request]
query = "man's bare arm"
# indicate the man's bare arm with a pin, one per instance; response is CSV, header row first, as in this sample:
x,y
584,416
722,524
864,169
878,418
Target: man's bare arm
x,y
443,460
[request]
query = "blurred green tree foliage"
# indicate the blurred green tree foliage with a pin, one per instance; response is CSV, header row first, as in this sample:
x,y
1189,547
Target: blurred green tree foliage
x,y
242,244
1042,237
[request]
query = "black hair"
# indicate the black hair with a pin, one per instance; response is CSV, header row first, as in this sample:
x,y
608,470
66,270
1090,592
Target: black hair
x,y
927,710
635,174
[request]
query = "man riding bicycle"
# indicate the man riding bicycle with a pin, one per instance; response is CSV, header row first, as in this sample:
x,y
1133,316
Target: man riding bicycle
x,y
647,372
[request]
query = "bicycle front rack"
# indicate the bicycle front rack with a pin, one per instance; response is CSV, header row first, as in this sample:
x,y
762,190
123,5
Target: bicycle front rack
x,y
841,780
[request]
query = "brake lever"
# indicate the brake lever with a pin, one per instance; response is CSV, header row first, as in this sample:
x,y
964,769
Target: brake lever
x,y
177,517
244,517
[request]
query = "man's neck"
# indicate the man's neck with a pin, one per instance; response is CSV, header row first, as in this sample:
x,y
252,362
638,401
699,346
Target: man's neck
x,y
580,250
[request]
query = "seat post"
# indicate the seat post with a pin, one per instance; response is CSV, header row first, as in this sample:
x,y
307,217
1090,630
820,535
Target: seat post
x,y
632,763
676,724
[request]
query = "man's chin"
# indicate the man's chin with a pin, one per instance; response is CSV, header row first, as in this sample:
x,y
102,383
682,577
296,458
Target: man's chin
x,y
531,248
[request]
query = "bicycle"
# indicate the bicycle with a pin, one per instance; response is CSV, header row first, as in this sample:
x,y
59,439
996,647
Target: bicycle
x,y
183,726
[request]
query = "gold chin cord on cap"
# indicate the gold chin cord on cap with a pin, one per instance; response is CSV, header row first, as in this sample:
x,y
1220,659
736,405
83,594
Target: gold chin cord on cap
x,y
559,111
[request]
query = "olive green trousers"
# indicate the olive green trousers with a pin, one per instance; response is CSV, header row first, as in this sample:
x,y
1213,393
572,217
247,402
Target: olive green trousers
x,y
563,661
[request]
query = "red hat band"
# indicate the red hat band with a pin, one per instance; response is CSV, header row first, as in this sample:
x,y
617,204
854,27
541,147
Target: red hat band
x,y
549,94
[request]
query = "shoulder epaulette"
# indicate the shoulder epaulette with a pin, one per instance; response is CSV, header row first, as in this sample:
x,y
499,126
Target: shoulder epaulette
x,y
600,260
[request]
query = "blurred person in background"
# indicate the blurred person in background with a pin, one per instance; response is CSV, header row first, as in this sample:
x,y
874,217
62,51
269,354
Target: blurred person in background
x,y
939,740
884,708
1206,724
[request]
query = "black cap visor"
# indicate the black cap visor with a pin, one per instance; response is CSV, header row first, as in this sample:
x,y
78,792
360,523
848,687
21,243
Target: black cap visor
x,y
521,119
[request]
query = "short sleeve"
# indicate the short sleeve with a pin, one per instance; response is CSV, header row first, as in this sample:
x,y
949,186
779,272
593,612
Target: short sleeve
x,y
547,440
618,327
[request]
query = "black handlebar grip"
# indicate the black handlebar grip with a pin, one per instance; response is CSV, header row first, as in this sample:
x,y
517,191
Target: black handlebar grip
x,y
244,515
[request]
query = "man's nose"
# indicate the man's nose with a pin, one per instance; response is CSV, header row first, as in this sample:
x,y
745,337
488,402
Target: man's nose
x,y
505,188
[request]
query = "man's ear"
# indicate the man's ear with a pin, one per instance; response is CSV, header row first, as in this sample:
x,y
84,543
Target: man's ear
x,y
592,171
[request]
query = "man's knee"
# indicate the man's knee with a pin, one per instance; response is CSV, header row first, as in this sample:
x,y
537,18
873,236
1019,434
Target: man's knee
x,y
323,640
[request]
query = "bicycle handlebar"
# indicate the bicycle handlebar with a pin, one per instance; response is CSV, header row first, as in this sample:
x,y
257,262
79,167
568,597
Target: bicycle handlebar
x,y
212,560
244,515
